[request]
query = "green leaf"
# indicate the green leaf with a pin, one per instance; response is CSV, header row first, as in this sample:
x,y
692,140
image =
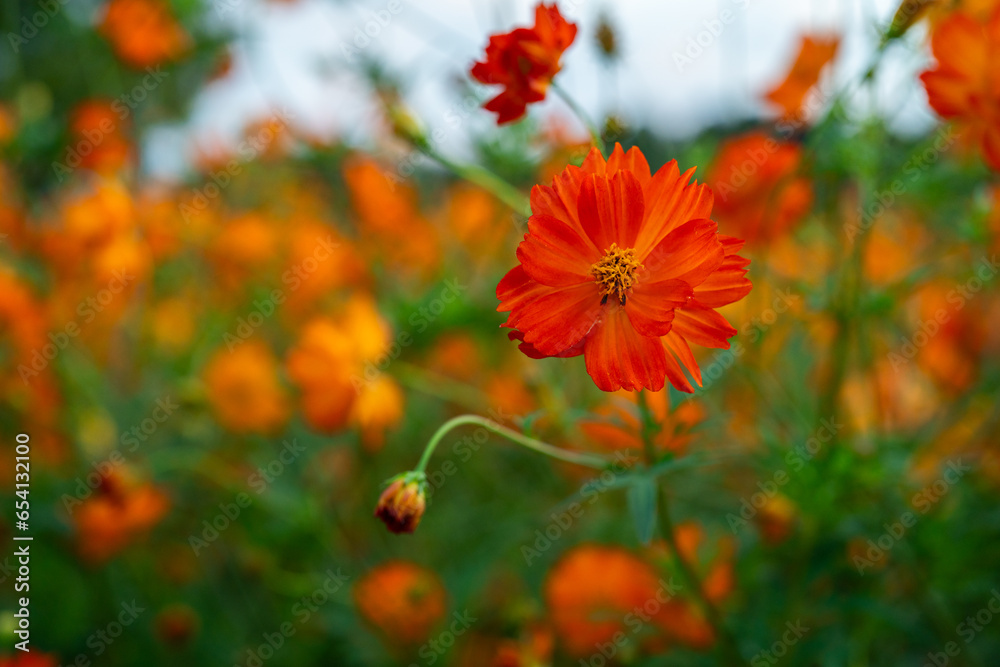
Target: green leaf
x,y
642,506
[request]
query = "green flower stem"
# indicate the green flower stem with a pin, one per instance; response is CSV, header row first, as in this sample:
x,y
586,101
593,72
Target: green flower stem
x,y
588,460
504,191
595,134
691,579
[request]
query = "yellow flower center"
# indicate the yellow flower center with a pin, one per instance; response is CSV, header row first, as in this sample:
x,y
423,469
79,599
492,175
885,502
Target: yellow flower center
x,y
615,273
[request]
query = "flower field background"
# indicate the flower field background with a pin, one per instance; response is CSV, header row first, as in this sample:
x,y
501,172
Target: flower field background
x,y
562,392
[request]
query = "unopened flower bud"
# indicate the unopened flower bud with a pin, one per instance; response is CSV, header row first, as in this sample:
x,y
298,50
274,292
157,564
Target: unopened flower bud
x,y
402,503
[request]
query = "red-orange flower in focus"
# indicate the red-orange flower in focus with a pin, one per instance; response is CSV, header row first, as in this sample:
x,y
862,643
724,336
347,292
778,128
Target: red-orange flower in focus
x,y
524,62
815,53
758,191
965,86
625,268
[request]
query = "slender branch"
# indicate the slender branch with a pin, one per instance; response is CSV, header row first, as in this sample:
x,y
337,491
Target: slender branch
x,y
504,191
588,460
728,642
584,117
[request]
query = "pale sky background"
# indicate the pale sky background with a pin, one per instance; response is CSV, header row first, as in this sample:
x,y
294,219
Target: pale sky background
x,y
291,57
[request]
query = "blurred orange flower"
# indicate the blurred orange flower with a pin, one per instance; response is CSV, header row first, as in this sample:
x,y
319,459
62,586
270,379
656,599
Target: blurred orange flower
x,y
119,512
592,589
403,600
244,390
143,33
625,268
759,192
393,229
815,53
618,427
965,85
333,366
98,136
243,248
524,62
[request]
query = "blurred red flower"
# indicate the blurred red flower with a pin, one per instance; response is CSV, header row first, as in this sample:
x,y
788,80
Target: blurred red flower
x,y
759,192
815,53
965,85
623,267
524,62
143,33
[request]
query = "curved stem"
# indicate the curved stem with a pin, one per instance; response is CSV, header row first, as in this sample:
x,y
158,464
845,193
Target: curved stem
x,y
484,178
587,460
584,117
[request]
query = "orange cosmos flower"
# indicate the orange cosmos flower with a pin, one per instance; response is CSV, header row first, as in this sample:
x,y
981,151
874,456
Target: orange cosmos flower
x,y
815,53
403,600
965,85
618,427
244,391
334,365
524,62
625,268
99,137
119,512
142,32
758,190
591,591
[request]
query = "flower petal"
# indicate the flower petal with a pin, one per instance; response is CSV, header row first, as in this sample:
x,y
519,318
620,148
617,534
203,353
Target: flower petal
x,y
691,253
651,306
670,203
553,253
618,357
611,210
679,357
633,162
727,284
558,320
703,326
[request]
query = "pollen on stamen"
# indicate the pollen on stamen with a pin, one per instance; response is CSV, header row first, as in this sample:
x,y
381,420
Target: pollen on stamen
x,y
616,273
